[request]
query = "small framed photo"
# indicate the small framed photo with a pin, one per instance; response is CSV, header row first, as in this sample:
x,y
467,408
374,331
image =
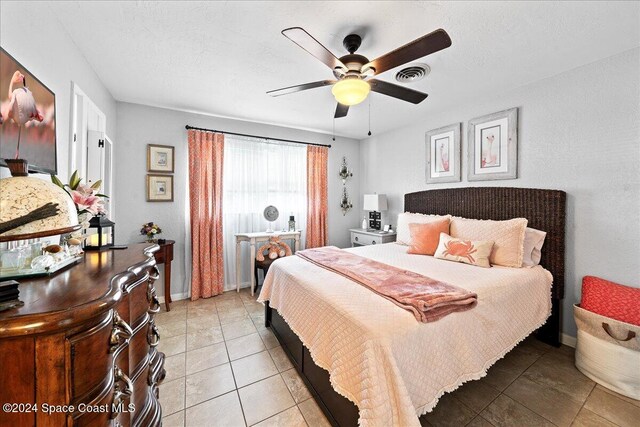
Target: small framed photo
x,y
443,154
159,188
493,146
160,158
387,227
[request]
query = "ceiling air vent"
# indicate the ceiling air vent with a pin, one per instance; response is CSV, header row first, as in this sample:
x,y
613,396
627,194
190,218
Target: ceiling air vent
x,y
413,73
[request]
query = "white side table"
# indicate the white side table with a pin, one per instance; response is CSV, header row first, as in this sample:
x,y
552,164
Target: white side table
x,y
253,239
361,237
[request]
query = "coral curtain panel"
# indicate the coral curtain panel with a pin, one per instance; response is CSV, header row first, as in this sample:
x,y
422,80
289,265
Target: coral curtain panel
x,y
316,196
206,156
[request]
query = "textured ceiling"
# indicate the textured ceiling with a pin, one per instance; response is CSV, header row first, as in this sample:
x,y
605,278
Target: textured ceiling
x,y
221,57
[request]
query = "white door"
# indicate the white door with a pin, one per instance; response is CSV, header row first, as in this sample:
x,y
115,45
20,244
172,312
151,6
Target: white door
x,y
88,126
95,170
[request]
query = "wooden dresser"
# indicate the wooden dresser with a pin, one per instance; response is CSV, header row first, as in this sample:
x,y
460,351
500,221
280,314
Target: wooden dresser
x,y
82,350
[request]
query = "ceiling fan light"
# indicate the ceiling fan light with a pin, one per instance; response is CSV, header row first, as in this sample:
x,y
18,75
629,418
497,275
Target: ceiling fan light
x,y
351,91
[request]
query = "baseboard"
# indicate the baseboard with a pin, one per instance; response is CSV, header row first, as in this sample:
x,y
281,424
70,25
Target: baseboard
x,y
185,295
232,287
175,297
568,340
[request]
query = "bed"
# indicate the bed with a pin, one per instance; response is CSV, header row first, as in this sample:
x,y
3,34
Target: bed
x,y
378,355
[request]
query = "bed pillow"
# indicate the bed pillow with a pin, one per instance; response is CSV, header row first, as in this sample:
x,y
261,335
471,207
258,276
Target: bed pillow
x,y
533,241
403,235
466,251
425,237
508,237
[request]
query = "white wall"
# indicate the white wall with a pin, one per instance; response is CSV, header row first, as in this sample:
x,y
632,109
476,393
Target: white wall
x,y
578,132
32,35
140,125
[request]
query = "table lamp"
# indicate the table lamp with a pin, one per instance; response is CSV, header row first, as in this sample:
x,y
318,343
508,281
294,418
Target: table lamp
x,y
375,203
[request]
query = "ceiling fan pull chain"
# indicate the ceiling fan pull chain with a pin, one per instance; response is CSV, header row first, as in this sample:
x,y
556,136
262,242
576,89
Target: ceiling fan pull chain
x,y
334,128
369,116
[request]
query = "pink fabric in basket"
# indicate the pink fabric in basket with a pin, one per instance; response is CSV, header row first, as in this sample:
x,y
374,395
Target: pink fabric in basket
x,y
611,300
428,299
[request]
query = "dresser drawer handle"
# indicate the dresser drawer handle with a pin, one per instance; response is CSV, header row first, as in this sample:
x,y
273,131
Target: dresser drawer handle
x,y
373,242
120,393
120,330
154,273
356,238
154,335
155,305
151,292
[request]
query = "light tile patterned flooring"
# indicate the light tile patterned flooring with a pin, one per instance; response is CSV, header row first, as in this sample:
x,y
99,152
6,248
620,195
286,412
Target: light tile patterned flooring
x,y
224,368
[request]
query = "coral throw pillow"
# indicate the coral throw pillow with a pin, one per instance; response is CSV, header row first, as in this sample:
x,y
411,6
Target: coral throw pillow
x,y
425,237
403,236
466,251
611,299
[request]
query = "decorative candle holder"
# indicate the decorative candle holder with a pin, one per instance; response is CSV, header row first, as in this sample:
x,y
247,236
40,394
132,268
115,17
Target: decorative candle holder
x,y
344,171
345,202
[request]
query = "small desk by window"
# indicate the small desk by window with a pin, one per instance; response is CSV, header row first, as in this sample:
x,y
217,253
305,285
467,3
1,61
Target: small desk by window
x,y
253,239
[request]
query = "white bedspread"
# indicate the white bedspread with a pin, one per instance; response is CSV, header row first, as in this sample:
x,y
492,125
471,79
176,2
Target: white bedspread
x,y
391,366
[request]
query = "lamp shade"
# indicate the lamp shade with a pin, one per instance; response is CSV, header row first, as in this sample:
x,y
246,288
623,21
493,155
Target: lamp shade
x,y
351,91
375,202
22,195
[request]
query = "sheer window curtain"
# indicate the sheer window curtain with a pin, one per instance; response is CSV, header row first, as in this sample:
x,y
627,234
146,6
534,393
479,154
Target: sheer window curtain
x,y
257,174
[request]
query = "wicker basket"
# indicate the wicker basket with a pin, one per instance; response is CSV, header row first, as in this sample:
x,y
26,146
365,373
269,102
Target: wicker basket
x,y
608,352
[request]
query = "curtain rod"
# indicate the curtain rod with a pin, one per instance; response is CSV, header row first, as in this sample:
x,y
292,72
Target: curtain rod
x,y
257,136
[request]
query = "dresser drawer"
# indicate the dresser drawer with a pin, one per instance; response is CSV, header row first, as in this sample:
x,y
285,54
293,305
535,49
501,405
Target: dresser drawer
x,y
91,360
141,394
139,303
365,239
100,415
139,347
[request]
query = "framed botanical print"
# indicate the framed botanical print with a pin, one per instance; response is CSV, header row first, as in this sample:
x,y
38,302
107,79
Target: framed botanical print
x,y
493,146
159,188
443,154
160,158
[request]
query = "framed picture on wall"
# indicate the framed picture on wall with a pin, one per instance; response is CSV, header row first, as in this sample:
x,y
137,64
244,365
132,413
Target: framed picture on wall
x,y
493,146
159,188
443,154
160,158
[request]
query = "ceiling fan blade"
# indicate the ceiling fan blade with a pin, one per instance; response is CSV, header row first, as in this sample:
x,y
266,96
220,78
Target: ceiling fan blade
x,y
341,111
306,41
396,91
425,45
300,88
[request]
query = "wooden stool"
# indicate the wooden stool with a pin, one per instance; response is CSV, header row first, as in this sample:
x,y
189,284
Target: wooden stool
x,y
264,266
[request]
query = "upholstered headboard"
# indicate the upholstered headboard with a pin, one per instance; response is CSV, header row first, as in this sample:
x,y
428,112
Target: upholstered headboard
x,y
545,210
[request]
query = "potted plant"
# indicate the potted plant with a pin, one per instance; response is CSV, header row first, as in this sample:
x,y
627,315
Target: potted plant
x,y
88,201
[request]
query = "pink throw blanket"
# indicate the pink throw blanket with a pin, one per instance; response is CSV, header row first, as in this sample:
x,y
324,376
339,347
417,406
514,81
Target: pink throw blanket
x,y
428,299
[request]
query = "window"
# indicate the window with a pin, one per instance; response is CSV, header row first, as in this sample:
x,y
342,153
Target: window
x,y
257,174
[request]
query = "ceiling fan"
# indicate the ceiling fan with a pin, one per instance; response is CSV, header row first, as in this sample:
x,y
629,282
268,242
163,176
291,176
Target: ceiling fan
x,y
353,71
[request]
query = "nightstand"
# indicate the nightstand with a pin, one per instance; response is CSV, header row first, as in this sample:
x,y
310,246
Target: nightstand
x,y
360,237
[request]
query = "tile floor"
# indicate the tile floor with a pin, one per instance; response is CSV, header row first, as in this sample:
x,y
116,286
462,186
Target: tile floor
x,y
224,368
